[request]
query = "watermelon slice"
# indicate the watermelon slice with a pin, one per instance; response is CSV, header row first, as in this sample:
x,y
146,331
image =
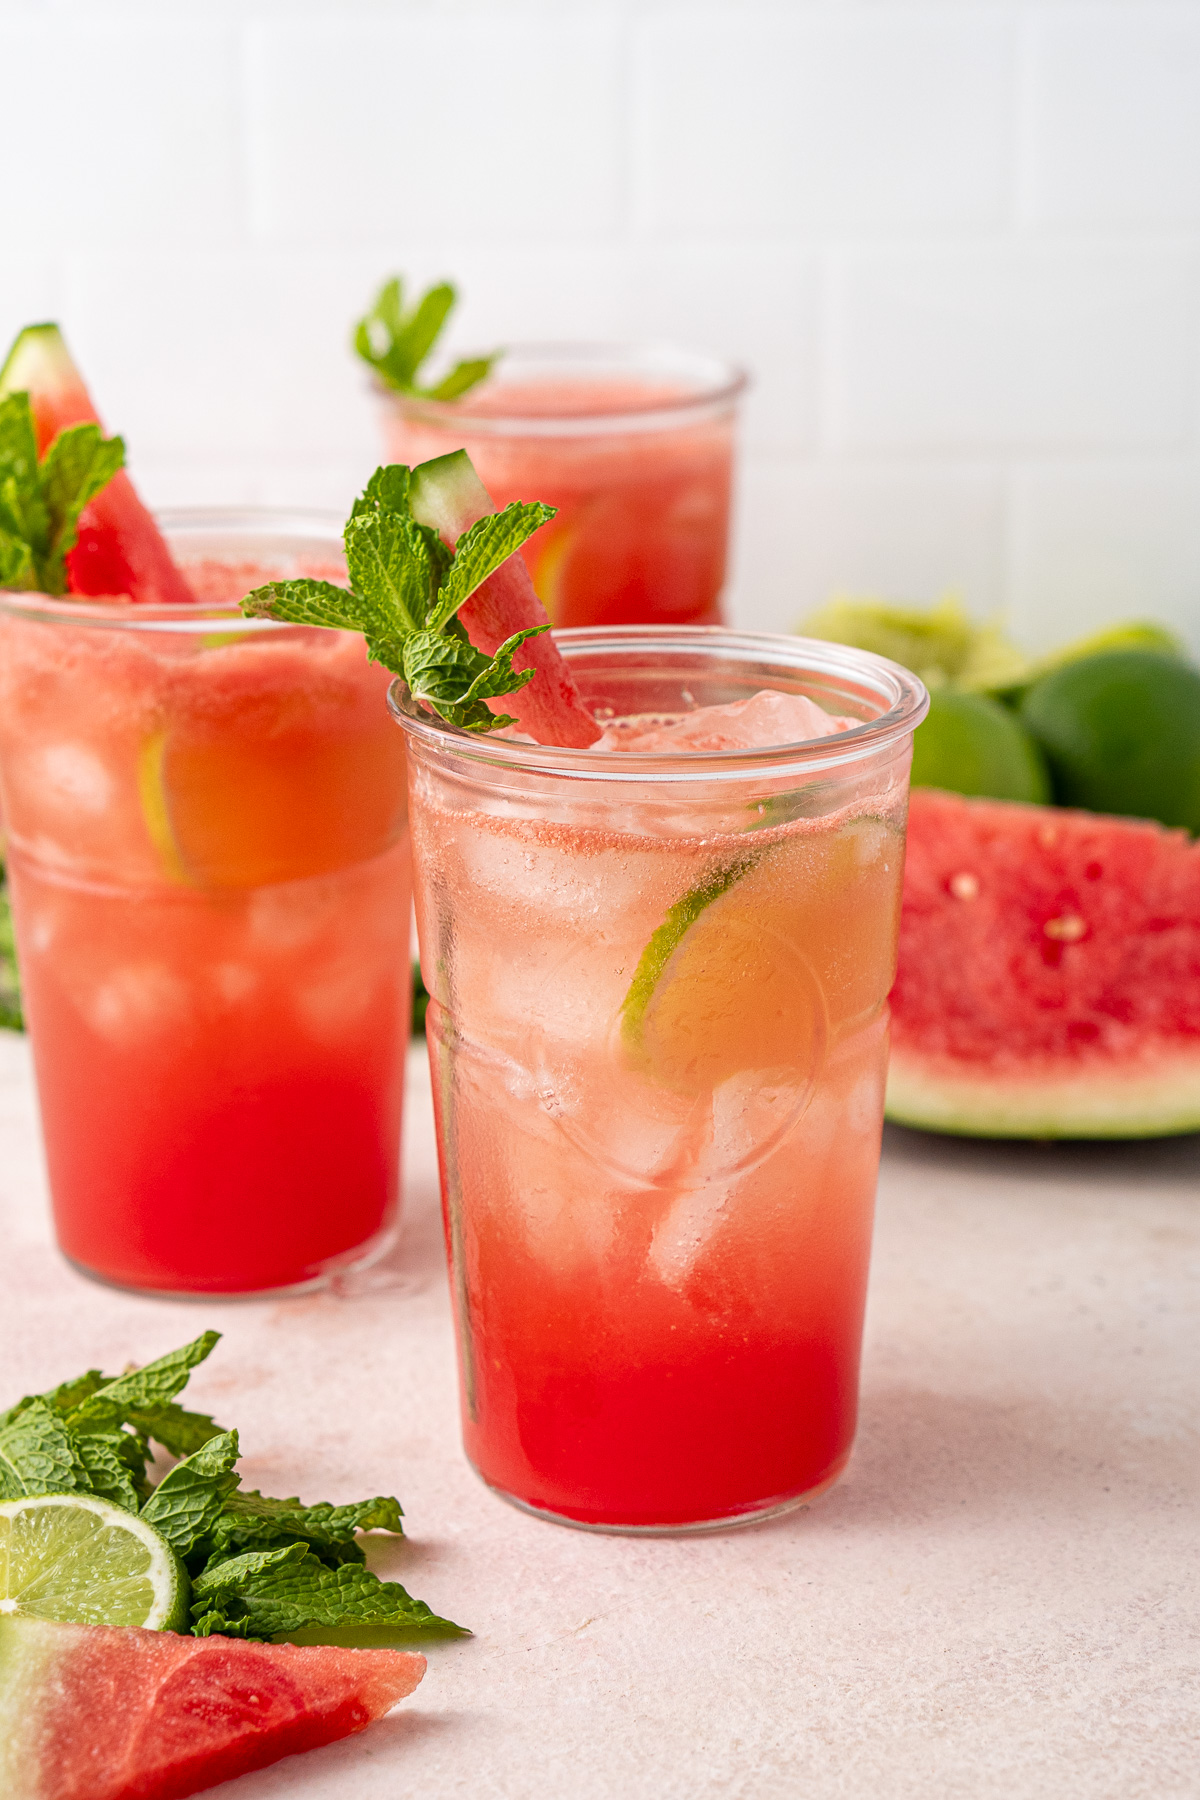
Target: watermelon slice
x,y
1049,974
120,548
448,495
92,1712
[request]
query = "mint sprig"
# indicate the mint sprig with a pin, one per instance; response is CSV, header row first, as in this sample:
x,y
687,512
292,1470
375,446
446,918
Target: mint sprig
x,y
405,593
11,1018
259,1567
395,343
40,502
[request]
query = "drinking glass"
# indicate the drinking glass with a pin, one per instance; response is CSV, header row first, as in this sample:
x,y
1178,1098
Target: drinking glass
x,y
658,1035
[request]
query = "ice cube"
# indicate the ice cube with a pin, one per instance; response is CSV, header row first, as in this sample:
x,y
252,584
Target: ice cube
x,y
332,1006
67,778
138,1004
765,718
235,982
746,1119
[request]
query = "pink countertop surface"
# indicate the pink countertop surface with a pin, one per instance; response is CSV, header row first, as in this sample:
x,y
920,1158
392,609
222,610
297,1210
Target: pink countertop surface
x,y
999,1599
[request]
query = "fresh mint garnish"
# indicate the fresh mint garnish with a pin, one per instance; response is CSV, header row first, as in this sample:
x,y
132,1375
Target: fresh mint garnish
x,y
395,343
259,1567
40,502
282,1592
406,589
11,1018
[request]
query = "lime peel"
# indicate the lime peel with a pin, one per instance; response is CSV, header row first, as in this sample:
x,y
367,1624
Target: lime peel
x,y
77,1559
664,941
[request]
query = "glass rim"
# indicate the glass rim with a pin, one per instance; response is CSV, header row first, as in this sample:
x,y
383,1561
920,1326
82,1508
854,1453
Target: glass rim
x,y
905,693
124,614
716,386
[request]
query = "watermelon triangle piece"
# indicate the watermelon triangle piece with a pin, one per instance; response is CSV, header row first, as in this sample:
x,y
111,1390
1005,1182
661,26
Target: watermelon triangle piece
x,y
93,1712
448,495
120,548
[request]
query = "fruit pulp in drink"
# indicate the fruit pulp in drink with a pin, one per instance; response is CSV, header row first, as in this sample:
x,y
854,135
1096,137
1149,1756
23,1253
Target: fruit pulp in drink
x,y
658,1165
642,526
210,877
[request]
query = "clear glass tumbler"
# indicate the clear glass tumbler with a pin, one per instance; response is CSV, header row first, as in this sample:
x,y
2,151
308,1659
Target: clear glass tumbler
x,y
658,1035
209,861
633,445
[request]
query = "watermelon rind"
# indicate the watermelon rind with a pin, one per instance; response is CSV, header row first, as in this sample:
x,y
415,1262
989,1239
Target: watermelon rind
x,y
1162,1102
40,349
447,494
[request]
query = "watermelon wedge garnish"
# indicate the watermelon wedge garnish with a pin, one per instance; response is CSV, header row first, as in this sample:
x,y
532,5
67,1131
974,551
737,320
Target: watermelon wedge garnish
x,y
448,495
1049,974
120,549
93,1712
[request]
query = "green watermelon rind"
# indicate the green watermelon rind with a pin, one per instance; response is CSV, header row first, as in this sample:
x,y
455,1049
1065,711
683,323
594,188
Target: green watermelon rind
x,y
1104,1103
41,349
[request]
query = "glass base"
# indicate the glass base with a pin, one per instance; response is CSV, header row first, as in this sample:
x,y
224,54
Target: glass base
x,y
352,1262
775,1509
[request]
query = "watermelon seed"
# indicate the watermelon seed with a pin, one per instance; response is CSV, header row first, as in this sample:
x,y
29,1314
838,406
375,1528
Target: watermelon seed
x,y
964,886
1067,930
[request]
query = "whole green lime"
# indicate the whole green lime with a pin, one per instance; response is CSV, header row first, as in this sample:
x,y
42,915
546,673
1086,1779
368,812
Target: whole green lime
x,y
974,745
1121,733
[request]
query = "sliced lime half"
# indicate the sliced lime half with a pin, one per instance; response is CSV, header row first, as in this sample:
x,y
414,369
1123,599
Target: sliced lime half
x,y
76,1559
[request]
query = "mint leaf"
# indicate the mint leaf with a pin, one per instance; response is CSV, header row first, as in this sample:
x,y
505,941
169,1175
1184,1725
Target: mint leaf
x,y
463,377
38,1454
234,1572
40,503
70,1394
391,572
18,443
117,1401
10,982
64,1398
16,561
24,520
275,1594
447,672
304,602
106,1465
480,552
395,343
255,1521
187,1503
405,593
179,1432
77,465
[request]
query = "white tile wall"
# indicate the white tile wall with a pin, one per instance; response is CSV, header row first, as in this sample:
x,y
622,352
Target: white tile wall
x,y
958,242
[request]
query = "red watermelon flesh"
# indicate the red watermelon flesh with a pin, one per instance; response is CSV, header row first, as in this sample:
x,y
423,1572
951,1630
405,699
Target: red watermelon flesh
x,y
90,1712
448,495
120,548
1049,973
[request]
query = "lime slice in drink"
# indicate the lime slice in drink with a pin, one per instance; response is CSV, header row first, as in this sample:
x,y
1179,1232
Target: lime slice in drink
x,y
152,792
723,985
78,1560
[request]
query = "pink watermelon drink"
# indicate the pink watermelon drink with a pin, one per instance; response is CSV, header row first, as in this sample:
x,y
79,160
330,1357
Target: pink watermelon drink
x,y
659,968
210,874
635,450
